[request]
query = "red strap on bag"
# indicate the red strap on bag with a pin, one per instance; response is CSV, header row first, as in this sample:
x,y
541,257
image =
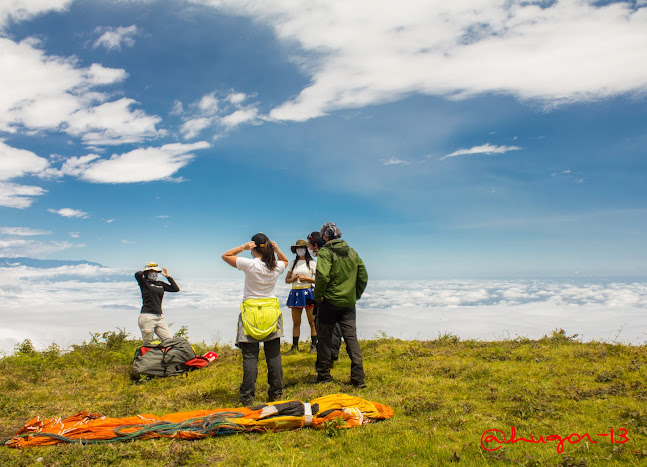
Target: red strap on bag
x,y
197,362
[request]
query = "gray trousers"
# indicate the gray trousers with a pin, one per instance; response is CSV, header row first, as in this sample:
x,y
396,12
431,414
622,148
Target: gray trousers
x,y
329,315
151,324
250,369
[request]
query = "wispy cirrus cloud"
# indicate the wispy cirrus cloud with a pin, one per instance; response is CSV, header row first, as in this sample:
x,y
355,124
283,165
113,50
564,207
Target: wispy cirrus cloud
x,y
13,247
112,38
575,177
396,161
487,149
23,231
553,52
69,213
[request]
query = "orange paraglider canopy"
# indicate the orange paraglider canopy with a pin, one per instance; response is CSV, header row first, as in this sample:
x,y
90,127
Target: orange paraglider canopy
x,y
90,428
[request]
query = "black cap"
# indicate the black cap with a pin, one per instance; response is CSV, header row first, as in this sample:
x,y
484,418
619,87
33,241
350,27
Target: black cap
x,y
315,239
260,239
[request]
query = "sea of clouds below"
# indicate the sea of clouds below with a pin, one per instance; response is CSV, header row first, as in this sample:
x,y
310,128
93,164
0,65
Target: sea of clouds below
x,y
66,304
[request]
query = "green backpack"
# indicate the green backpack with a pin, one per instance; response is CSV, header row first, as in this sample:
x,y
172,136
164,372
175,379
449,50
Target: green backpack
x,y
173,356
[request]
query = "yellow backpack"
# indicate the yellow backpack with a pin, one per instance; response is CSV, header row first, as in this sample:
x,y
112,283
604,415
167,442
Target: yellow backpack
x,y
260,316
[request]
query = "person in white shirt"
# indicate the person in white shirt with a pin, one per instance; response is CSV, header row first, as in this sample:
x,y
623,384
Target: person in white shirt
x,y
260,318
301,274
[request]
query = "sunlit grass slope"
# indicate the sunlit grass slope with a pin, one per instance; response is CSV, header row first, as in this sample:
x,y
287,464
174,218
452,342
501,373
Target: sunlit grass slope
x,y
446,394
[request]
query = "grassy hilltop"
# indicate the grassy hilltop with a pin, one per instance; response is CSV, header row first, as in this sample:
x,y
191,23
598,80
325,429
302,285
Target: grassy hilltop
x,y
446,393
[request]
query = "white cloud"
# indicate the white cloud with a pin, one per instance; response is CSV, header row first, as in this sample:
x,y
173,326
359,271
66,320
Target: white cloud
x,y
396,161
220,114
139,165
113,38
69,213
18,162
483,149
142,164
177,109
74,234
504,309
43,92
23,231
405,309
208,103
113,123
237,98
369,52
18,196
239,117
192,128
73,166
20,10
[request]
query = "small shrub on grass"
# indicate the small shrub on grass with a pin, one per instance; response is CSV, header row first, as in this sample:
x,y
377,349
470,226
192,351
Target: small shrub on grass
x,y
333,427
24,348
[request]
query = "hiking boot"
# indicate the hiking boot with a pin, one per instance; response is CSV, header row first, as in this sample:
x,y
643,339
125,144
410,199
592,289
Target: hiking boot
x,y
327,379
313,348
293,350
276,397
246,401
359,385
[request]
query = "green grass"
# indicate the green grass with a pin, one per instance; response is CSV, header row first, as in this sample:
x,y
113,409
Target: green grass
x,y
446,393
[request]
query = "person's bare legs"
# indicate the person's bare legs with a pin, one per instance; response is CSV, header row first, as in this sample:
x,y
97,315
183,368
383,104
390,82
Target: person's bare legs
x,y
296,330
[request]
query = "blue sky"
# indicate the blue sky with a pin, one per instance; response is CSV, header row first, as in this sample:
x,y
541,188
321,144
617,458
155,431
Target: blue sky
x,y
481,139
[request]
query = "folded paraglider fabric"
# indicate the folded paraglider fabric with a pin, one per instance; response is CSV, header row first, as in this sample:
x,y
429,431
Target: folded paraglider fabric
x,y
92,428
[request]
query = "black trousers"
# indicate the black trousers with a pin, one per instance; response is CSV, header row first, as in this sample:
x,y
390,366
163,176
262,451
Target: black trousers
x,y
250,369
336,335
330,315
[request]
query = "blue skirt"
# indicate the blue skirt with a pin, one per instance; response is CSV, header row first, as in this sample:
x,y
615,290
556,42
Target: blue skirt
x,y
297,297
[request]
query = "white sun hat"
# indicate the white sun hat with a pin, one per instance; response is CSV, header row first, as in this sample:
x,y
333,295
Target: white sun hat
x,y
152,266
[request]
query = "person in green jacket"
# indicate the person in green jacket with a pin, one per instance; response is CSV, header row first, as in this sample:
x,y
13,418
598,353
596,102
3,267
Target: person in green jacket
x,y
340,281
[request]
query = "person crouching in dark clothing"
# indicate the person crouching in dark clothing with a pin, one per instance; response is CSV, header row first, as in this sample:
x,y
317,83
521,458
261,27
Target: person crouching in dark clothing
x,y
151,320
